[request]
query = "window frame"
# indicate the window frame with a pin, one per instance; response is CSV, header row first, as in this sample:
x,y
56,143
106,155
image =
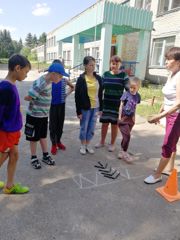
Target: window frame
x,y
163,49
170,9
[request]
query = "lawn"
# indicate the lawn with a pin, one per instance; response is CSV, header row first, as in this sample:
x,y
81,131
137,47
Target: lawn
x,y
151,100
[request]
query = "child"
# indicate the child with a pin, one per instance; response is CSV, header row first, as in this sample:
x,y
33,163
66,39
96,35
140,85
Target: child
x,y
127,109
11,121
57,111
37,113
114,83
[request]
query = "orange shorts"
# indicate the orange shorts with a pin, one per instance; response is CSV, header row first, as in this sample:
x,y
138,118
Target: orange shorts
x,y
8,140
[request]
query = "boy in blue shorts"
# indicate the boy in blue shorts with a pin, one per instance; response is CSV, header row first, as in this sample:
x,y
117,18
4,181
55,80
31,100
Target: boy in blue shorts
x,y
11,121
37,114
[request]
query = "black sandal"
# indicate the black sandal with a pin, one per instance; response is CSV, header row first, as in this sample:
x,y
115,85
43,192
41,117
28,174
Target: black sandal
x,y
35,163
48,160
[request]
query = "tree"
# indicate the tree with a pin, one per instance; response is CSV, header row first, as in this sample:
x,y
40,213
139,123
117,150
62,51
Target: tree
x,y
29,40
42,38
17,46
6,44
35,41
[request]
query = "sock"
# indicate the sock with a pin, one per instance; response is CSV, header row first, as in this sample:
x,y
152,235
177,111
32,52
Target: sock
x,y
45,154
33,157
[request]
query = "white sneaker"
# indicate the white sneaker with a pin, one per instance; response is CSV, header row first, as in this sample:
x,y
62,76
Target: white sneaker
x,y
83,149
99,145
152,180
121,154
89,149
111,148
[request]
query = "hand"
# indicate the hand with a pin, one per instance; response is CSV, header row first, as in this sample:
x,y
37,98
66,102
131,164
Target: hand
x,y
119,120
79,116
154,118
27,98
100,113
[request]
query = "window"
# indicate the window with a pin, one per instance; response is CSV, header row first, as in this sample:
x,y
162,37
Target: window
x,y
159,48
167,5
95,52
87,52
145,4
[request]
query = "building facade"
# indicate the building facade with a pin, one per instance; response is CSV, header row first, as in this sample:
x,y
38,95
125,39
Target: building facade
x,y
165,34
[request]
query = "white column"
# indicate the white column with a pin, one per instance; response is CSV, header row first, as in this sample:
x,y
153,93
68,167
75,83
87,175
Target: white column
x,y
142,55
81,53
60,53
119,43
75,50
105,47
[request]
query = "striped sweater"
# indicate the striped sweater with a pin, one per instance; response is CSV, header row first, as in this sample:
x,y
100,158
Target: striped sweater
x,y
41,98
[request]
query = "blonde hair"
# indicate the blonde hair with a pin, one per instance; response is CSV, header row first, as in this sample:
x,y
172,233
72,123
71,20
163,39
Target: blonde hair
x,y
135,80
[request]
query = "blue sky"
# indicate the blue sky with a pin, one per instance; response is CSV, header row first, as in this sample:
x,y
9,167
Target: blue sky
x,y
21,17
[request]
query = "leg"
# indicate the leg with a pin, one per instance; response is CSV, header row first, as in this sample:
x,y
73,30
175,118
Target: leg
x,y
114,130
104,130
125,131
33,148
44,147
53,123
3,157
83,131
169,145
61,117
11,167
91,125
170,166
90,130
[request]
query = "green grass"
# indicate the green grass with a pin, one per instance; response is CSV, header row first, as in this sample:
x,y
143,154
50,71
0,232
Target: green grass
x,y
150,92
147,94
145,110
3,60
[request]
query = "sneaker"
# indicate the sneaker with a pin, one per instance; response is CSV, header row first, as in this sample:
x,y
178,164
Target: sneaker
x,y
111,148
35,163
48,160
83,149
99,145
121,154
16,189
1,184
89,149
54,149
127,158
61,146
152,180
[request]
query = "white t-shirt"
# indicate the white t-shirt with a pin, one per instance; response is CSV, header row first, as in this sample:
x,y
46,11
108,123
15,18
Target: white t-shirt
x,y
169,91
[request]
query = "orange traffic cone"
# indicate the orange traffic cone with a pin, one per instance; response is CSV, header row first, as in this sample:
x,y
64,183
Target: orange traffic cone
x,y
170,190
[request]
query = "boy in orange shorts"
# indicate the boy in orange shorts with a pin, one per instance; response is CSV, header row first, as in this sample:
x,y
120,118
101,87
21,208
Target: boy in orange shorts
x,y
11,121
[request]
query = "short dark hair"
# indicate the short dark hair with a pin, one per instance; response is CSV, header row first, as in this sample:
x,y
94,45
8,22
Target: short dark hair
x,y
57,61
17,59
173,53
87,59
116,59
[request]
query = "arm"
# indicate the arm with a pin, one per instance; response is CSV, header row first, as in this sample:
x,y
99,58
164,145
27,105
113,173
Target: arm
x,y
173,109
161,108
71,88
78,97
120,110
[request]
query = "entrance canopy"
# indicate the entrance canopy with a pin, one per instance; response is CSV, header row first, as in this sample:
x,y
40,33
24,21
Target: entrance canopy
x,y
88,24
103,20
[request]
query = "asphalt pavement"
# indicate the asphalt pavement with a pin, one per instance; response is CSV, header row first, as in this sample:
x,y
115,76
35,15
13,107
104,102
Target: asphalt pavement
x,y
73,200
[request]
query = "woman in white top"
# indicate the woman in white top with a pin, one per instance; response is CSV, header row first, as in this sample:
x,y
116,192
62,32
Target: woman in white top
x,y
170,110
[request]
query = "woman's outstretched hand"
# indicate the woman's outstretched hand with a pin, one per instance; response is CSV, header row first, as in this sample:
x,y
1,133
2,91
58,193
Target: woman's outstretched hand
x,y
153,118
